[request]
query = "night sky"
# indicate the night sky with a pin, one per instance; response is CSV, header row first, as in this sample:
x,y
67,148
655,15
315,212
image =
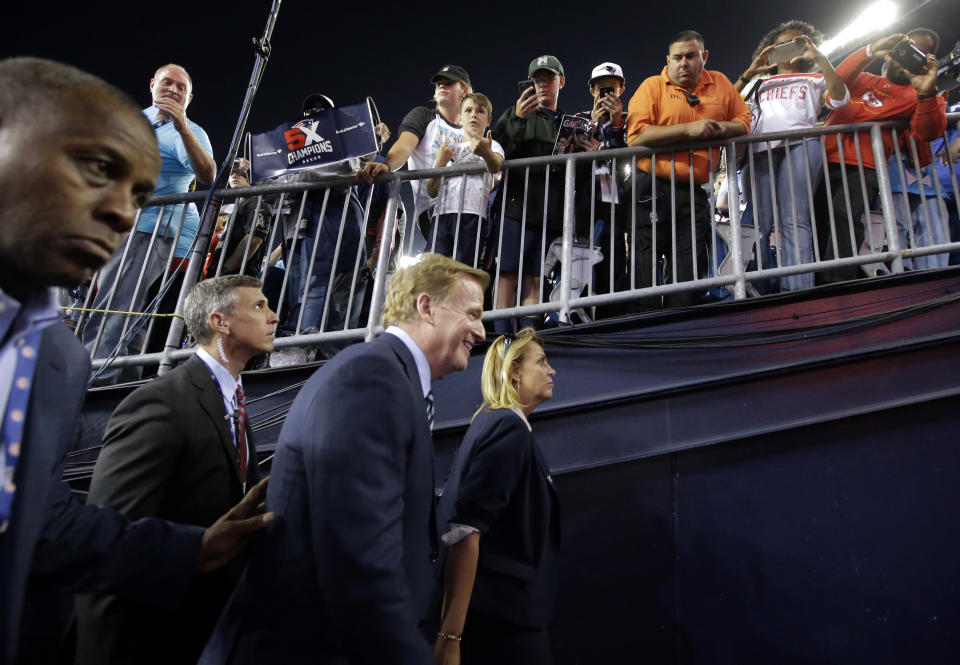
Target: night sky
x,y
390,51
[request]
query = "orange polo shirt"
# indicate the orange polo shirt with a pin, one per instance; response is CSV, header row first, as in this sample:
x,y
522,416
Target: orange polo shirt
x,y
658,101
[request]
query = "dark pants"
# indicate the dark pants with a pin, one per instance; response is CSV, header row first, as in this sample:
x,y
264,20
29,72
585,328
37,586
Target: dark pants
x,y
847,230
655,259
489,640
468,230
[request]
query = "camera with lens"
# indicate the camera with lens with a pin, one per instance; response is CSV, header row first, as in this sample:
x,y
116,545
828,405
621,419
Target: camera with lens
x,y
908,56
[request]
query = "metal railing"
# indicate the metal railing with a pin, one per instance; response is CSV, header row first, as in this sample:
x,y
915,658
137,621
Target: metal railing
x,y
597,254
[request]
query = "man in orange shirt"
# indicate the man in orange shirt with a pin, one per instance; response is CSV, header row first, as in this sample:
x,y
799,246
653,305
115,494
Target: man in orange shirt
x,y
685,103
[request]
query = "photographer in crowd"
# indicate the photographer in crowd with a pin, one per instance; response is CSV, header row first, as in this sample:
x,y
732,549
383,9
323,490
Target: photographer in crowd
x,y
900,94
529,129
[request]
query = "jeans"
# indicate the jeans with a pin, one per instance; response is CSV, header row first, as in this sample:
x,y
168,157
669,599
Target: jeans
x,y
913,213
127,297
299,265
793,197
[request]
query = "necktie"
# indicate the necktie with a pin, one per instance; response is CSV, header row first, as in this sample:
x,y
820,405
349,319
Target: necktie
x,y
241,424
429,399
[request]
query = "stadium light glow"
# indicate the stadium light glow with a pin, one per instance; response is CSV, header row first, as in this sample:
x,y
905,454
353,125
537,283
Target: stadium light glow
x,y
876,16
407,260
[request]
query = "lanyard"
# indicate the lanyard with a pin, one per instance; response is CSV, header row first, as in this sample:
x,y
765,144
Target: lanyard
x,y
14,419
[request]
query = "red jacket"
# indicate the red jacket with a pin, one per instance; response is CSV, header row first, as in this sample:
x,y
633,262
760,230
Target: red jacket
x,y
874,98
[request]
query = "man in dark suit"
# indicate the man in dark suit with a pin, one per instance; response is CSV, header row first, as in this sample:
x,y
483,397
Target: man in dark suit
x,y
346,573
76,159
176,448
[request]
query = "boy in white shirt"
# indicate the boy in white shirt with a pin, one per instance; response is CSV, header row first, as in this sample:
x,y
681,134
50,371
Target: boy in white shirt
x,y
462,204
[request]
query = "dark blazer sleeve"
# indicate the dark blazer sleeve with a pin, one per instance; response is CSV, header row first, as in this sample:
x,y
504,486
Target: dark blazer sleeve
x,y
496,463
357,478
88,548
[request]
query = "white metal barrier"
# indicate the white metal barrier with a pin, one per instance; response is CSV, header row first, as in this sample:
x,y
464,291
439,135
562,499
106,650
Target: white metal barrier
x,y
339,245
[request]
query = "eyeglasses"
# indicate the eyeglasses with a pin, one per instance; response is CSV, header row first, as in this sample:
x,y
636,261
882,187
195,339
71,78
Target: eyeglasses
x,y
444,82
692,100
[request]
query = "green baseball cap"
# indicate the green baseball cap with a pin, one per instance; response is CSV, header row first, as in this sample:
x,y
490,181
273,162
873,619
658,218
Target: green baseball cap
x,y
548,62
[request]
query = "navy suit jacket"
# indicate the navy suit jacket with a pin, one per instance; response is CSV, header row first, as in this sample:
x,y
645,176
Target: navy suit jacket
x,y
500,484
345,572
58,539
167,452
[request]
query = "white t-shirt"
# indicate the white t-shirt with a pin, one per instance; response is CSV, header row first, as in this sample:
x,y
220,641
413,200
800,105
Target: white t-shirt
x,y
432,128
786,102
477,186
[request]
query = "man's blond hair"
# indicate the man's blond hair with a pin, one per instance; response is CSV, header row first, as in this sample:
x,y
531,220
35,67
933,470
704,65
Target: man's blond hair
x,y
434,274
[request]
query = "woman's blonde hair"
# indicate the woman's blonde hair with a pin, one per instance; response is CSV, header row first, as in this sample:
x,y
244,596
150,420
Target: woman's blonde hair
x,y
506,352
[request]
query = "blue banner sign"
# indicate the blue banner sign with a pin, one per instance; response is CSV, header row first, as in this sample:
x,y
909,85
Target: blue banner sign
x,y
321,138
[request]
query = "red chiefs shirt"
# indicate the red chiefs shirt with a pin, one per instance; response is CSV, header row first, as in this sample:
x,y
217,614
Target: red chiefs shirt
x,y
874,98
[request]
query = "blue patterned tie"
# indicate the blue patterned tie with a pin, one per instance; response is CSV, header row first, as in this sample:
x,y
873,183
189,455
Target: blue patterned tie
x,y
14,420
429,399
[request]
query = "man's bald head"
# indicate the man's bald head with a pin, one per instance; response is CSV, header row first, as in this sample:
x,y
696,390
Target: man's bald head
x,y
180,68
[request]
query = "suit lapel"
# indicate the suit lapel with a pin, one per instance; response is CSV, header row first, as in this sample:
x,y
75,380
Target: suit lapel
x,y
211,402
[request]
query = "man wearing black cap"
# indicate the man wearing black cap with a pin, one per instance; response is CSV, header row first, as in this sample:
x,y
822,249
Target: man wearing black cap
x,y
529,129
422,131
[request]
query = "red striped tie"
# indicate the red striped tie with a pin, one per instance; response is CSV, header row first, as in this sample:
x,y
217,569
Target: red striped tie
x,y
241,434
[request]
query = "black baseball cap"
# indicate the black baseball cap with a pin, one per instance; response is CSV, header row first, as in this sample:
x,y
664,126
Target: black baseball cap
x,y
317,101
452,72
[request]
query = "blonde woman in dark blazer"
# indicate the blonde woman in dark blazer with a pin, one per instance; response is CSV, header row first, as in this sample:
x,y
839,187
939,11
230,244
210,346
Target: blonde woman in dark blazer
x,y
501,515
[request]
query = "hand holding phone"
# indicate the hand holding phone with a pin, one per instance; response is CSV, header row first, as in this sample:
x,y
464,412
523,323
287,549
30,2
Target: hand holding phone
x,y
523,85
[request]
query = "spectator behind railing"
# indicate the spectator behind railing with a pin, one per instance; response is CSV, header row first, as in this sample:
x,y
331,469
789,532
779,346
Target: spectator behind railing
x,y
946,151
528,129
610,210
243,242
917,209
790,98
422,131
461,208
186,154
684,103
311,241
897,95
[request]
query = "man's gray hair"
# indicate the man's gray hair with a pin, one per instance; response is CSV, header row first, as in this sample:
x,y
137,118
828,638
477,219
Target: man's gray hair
x,y
32,87
213,295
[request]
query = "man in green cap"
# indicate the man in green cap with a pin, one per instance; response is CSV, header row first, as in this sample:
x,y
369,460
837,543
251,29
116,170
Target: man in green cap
x,y
529,129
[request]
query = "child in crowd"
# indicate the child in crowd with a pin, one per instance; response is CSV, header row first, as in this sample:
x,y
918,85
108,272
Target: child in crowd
x,y
462,205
